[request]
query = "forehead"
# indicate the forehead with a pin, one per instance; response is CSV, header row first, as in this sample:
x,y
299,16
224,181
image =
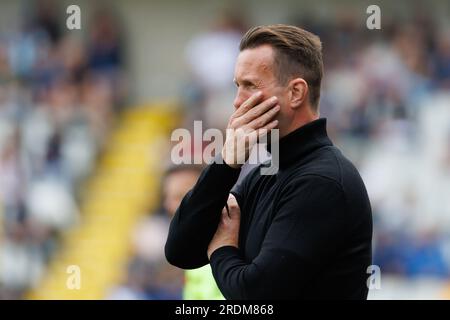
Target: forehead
x,y
254,62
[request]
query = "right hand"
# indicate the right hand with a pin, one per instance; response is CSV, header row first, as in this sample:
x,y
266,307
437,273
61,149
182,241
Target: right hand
x,y
249,122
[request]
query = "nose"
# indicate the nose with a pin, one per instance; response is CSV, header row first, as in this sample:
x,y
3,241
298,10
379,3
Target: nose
x,y
240,98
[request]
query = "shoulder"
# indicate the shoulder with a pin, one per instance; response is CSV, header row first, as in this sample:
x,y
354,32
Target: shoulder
x,y
327,164
311,183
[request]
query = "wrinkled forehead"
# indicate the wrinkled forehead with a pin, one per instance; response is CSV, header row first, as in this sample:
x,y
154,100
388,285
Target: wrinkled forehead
x,y
255,62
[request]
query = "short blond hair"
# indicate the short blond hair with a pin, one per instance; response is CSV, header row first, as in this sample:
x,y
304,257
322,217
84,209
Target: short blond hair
x,y
298,53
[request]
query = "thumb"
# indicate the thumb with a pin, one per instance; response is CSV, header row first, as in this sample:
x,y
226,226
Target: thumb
x,y
233,207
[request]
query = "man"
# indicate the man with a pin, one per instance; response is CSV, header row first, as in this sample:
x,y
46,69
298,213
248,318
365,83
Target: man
x,y
304,232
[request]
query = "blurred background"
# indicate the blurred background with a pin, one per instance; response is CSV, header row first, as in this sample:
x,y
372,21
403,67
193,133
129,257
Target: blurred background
x,y
87,187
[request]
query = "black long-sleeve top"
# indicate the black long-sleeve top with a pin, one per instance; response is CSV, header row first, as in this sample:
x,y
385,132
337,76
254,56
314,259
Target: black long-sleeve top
x,y
305,232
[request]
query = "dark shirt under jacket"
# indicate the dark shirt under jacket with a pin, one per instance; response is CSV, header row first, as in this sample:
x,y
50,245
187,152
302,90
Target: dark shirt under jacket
x,y
305,232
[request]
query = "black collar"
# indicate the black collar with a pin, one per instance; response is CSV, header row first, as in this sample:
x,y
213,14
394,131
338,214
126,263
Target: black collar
x,y
302,141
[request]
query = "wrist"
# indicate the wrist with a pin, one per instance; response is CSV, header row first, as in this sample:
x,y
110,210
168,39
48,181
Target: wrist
x,y
226,249
229,244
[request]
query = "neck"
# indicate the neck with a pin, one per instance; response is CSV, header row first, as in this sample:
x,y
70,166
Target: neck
x,y
299,143
304,116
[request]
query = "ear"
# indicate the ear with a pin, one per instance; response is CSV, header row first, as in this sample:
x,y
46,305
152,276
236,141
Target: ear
x,y
299,92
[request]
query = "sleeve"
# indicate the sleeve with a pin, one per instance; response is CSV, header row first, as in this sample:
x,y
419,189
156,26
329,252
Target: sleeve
x,y
198,216
304,234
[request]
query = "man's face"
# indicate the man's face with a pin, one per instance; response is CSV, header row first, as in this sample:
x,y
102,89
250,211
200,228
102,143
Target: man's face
x,y
254,72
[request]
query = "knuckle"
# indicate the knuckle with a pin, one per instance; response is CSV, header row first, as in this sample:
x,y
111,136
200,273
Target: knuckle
x,y
248,103
268,102
252,113
233,205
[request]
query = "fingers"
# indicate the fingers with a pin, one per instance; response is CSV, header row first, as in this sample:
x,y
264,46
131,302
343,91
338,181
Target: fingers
x,y
263,119
234,210
231,209
257,111
243,126
248,104
225,211
266,129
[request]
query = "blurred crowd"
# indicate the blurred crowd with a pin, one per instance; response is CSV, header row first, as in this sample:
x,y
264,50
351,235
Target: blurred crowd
x,y
58,94
387,99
